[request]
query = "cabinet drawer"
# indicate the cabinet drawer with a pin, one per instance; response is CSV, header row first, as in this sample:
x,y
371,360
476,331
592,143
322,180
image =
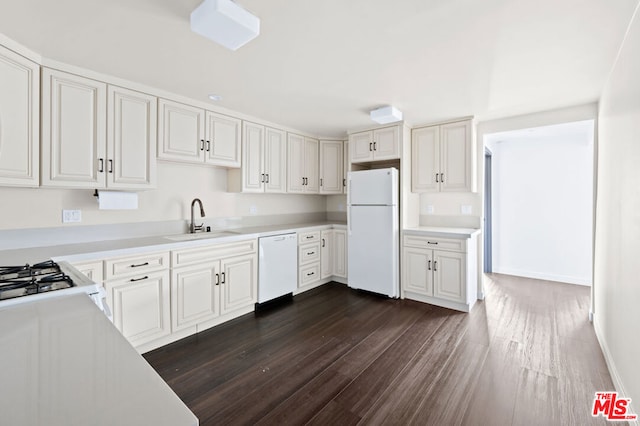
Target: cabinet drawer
x,y
93,270
309,274
135,265
309,253
204,254
435,243
308,237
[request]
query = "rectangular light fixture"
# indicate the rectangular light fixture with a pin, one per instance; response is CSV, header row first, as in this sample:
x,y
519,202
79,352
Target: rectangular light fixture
x,y
386,115
226,23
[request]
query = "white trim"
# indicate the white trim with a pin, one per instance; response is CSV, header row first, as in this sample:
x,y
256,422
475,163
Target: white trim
x,y
463,307
613,371
567,279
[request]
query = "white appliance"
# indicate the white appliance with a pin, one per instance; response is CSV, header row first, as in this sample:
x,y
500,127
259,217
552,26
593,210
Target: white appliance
x,y
373,223
277,266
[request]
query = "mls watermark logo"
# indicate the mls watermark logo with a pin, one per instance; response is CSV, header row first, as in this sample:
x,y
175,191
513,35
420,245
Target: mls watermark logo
x,y
612,408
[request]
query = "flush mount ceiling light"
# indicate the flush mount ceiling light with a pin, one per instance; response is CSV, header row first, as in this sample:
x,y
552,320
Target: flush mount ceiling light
x,y
224,22
386,115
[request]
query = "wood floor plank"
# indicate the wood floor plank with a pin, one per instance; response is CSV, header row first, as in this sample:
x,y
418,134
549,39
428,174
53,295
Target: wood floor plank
x,y
334,356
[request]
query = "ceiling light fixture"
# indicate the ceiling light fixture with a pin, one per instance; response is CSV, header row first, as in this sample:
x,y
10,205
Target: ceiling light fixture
x,y
226,23
386,115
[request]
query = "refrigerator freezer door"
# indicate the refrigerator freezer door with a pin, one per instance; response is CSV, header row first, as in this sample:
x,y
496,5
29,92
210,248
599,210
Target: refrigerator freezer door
x,y
373,187
373,249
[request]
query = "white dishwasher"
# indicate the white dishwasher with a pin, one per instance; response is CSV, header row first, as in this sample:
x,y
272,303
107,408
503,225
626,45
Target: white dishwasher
x,y
277,266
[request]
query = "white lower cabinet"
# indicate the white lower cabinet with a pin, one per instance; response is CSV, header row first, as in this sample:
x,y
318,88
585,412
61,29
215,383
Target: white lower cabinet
x,y
322,257
444,276
339,253
326,253
214,282
140,306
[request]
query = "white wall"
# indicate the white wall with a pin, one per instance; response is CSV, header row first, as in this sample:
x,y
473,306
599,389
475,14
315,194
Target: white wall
x,y
543,202
177,185
617,250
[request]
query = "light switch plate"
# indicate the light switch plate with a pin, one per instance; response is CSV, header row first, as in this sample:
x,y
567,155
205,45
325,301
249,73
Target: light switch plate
x,y
466,209
71,216
253,210
430,209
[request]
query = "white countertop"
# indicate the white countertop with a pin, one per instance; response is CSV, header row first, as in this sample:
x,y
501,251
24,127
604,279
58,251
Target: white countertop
x,y
437,231
64,363
111,248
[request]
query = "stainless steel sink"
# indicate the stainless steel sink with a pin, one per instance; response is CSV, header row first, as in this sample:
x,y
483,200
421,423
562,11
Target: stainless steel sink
x,y
199,236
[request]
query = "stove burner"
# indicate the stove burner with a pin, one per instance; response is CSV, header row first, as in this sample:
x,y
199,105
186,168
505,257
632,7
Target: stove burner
x,y
16,281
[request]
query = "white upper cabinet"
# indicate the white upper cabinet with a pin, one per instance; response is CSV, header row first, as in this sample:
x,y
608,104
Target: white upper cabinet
x,y
442,158
131,139
96,136
302,162
375,145
222,145
73,131
275,161
264,159
19,120
181,132
191,134
331,167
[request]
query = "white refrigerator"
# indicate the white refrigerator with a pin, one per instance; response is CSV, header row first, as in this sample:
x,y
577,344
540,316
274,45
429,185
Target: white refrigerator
x,y
373,224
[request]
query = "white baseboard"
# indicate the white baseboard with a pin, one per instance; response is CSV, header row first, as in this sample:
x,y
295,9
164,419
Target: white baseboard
x,y
613,371
542,276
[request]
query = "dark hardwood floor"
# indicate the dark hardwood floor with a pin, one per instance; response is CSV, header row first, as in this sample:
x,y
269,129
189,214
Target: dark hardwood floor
x,y
527,355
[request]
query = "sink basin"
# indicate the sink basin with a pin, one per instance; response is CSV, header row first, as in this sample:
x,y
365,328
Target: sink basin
x,y
199,236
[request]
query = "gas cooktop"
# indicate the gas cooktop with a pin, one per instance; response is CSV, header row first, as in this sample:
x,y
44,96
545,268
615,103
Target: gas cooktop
x,y
25,280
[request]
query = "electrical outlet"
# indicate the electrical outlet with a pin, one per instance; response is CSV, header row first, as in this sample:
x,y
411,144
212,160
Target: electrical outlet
x,y
253,210
71,216
466,209
430,209
340,207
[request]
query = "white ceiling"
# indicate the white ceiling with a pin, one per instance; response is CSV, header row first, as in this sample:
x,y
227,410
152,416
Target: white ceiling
x,y
320,66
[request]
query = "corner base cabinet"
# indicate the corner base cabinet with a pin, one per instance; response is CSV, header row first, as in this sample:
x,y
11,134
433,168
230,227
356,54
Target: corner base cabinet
x,y
440,271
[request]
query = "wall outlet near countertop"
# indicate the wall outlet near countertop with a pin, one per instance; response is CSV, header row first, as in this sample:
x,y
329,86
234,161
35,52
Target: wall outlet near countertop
x,y
430,209
71,216
253,209
466,209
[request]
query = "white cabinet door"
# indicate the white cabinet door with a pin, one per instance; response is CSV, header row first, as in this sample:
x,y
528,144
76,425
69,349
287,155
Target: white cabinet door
x,y
92,270
181,134
331,167
417,273
361,147
345,156
386,143
131,139
311,164
275,161
19,120
141,309
222,143
295,162
252,157
455,157
449,275
195,294
326,253
238,282
425,159
340,253
73,131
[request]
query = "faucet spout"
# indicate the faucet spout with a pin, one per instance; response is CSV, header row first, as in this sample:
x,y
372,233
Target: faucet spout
x,y
193,227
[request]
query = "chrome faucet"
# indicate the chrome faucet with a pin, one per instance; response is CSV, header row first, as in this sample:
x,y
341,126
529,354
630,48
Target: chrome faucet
x,y
193,228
